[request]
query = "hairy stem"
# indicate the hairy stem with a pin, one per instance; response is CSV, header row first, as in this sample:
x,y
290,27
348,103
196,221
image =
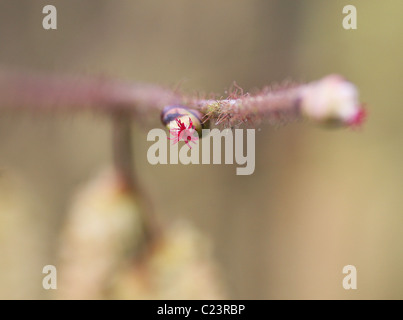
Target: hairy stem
x,y
47,93
276,106
329,100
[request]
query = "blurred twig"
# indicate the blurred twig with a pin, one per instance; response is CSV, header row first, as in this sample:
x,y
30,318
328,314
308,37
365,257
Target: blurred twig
x,y
123,163
20,91
122,150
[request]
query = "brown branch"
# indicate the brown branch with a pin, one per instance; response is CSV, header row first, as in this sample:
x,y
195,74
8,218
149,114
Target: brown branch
x,y
274,106
124,165
45,93
329,100
122,150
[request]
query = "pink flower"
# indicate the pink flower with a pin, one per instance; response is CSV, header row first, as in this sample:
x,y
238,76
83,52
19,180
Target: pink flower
x,y
332,100
184,133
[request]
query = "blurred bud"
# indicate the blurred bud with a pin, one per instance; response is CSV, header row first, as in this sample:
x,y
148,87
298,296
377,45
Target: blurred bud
x,y
101,233
22,234
180,266
332,101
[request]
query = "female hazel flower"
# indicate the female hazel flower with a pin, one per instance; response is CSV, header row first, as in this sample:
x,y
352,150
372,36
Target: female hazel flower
x,y
170,113
180,132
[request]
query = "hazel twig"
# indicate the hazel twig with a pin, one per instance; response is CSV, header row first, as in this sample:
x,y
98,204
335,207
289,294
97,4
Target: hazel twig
x,y
331,100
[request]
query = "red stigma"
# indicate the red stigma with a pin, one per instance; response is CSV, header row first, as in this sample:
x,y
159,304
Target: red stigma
x,y
181,125
359,118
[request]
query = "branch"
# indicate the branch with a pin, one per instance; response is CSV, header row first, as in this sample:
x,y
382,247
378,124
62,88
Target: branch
x,y
45,93
331,100
123,162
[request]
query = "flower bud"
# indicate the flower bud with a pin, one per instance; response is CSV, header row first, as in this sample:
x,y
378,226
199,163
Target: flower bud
x,y
332,101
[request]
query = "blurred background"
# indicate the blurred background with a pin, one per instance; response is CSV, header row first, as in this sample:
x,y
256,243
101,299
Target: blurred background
x,y
318,200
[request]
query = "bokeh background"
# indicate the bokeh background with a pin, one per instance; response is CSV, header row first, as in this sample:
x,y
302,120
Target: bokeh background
x,y
318,200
